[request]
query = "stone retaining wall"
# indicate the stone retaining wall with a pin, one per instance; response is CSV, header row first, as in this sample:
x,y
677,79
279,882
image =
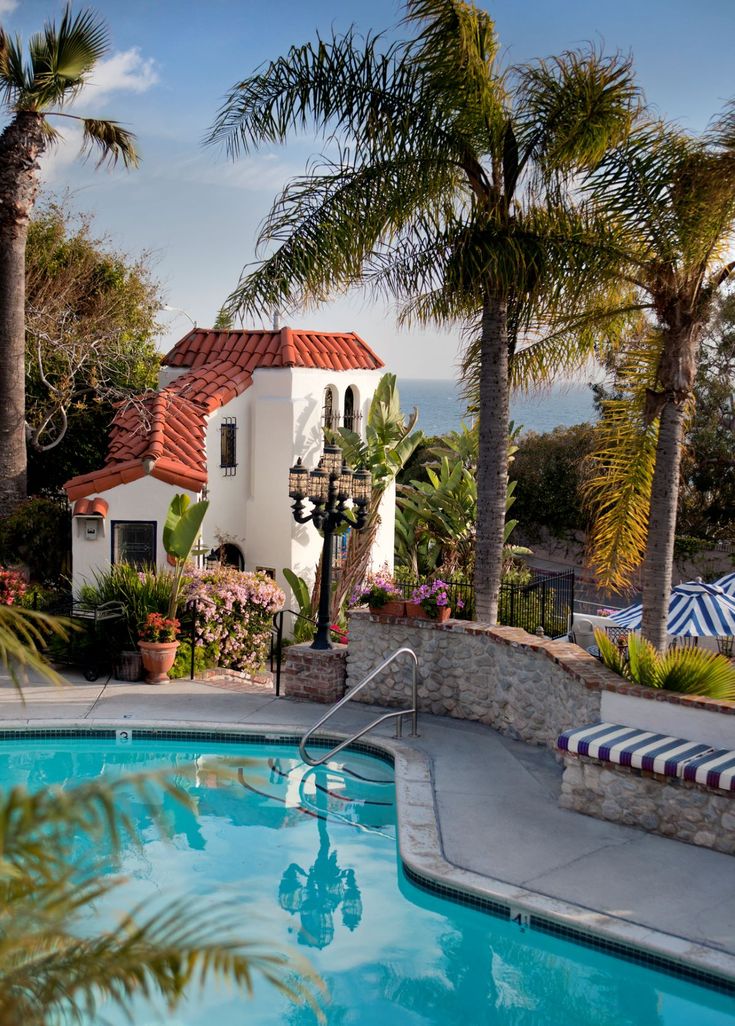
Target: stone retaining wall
x,y
674,808
495,675
527,687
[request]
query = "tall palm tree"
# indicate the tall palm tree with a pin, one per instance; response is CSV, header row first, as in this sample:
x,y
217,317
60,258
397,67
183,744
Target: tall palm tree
x,y
33,88
671,199
442,188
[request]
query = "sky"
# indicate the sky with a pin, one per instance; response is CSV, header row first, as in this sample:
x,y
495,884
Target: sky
x,y
172,62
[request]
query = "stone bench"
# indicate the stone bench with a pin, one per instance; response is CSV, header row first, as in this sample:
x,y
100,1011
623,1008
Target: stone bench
x,y
669,785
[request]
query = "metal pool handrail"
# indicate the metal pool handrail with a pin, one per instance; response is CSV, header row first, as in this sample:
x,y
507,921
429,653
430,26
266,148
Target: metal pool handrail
x,y
412,712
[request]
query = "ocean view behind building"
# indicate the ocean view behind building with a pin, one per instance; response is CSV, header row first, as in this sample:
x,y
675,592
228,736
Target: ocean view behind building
x,y
441,408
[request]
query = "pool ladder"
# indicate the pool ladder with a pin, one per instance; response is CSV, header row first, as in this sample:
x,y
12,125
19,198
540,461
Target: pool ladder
x,y
397,715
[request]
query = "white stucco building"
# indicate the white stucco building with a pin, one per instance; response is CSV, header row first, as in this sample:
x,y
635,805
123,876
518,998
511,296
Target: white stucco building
x,y
233,412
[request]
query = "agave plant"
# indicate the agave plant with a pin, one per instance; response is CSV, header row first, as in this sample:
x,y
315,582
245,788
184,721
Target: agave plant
x,y
691,671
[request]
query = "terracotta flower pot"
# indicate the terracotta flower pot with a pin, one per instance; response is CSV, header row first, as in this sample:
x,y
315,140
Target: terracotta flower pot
x,y
416,611
158,658
443,613
392,608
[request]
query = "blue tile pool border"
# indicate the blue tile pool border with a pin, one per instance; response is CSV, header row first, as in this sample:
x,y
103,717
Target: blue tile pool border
x,y
500,909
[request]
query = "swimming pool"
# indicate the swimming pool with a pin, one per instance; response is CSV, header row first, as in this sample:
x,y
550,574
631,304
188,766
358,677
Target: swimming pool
x,y
309,858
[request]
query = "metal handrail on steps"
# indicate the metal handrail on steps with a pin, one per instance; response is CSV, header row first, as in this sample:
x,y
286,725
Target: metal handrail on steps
x,y
398,715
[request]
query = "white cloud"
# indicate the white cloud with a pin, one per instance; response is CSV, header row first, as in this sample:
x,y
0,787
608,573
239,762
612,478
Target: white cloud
x,y
126,71
8,6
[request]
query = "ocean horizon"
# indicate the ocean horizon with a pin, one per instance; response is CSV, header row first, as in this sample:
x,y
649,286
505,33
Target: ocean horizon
x,y
441,408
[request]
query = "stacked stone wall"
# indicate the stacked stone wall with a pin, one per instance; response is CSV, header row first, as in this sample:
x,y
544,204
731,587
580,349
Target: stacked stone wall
x,y
673,808
495,675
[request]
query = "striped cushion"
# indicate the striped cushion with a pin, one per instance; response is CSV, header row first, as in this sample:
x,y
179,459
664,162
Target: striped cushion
x,y
629,746
715,769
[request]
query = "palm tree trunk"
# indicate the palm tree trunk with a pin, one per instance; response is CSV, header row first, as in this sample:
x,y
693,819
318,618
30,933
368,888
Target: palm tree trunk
x,y
357,557
21,144
492,462
659,559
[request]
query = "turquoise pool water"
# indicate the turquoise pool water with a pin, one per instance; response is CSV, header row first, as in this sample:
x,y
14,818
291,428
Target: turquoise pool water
x,y
309,860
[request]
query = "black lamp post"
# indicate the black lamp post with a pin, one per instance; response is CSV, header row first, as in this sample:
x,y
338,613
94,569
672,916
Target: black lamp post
x,y
329,488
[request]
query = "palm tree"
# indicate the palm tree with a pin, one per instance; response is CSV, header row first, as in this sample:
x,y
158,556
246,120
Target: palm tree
x,y
33,89
442,188
671,198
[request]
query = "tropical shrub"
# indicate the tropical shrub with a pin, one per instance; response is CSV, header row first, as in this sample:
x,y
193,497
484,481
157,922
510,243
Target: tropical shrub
x,y
140,591
234,613
691,671
303,625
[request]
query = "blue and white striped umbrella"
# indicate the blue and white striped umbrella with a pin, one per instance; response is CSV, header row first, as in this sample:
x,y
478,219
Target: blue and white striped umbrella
x,y
727,583
696,610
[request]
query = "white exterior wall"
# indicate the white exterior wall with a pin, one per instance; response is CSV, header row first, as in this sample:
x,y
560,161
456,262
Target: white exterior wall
x,y
226,517
146,499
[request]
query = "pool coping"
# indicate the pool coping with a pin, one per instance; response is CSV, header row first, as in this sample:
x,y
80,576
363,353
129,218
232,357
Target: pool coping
x,y
422,854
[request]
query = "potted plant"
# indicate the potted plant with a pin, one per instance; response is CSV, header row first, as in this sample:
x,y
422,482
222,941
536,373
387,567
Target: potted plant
x,y
429,601
158,646
381,594
183,523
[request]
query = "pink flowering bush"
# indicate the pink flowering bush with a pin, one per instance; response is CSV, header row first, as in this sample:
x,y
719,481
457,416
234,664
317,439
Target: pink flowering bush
x,y
234,614
431,596
12,587
378,588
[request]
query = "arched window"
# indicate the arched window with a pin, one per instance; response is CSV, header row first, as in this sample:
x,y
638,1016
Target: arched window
x,y
331,415
349,417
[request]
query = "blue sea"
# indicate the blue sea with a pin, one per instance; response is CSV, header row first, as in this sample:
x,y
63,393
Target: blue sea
x,y
441,408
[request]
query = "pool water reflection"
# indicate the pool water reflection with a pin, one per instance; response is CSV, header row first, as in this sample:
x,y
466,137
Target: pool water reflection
x,y
308,859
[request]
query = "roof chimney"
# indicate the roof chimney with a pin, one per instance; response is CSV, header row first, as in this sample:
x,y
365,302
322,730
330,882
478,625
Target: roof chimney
x,y
276,320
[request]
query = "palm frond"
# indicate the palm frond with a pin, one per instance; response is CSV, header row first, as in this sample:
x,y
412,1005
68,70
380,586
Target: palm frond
x,y
111,140
61,58
572,109
24,634
617,489
13,73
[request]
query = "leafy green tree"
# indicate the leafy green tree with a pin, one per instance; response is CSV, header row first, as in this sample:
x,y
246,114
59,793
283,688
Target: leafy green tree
x,y
707,498
445,193
90,341
34,87
549,471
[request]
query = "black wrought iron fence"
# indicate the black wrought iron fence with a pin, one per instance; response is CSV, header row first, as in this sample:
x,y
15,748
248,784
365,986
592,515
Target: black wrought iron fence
x,y
546,601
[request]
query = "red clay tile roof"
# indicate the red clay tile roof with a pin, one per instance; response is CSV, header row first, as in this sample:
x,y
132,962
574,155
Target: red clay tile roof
x,y
288,347
91,507
163,433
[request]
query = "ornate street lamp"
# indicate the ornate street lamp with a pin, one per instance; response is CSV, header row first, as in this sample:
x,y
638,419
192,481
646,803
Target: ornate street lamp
x,y
329,488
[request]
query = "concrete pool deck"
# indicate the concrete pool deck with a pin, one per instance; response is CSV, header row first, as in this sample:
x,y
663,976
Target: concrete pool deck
x,y
469,797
